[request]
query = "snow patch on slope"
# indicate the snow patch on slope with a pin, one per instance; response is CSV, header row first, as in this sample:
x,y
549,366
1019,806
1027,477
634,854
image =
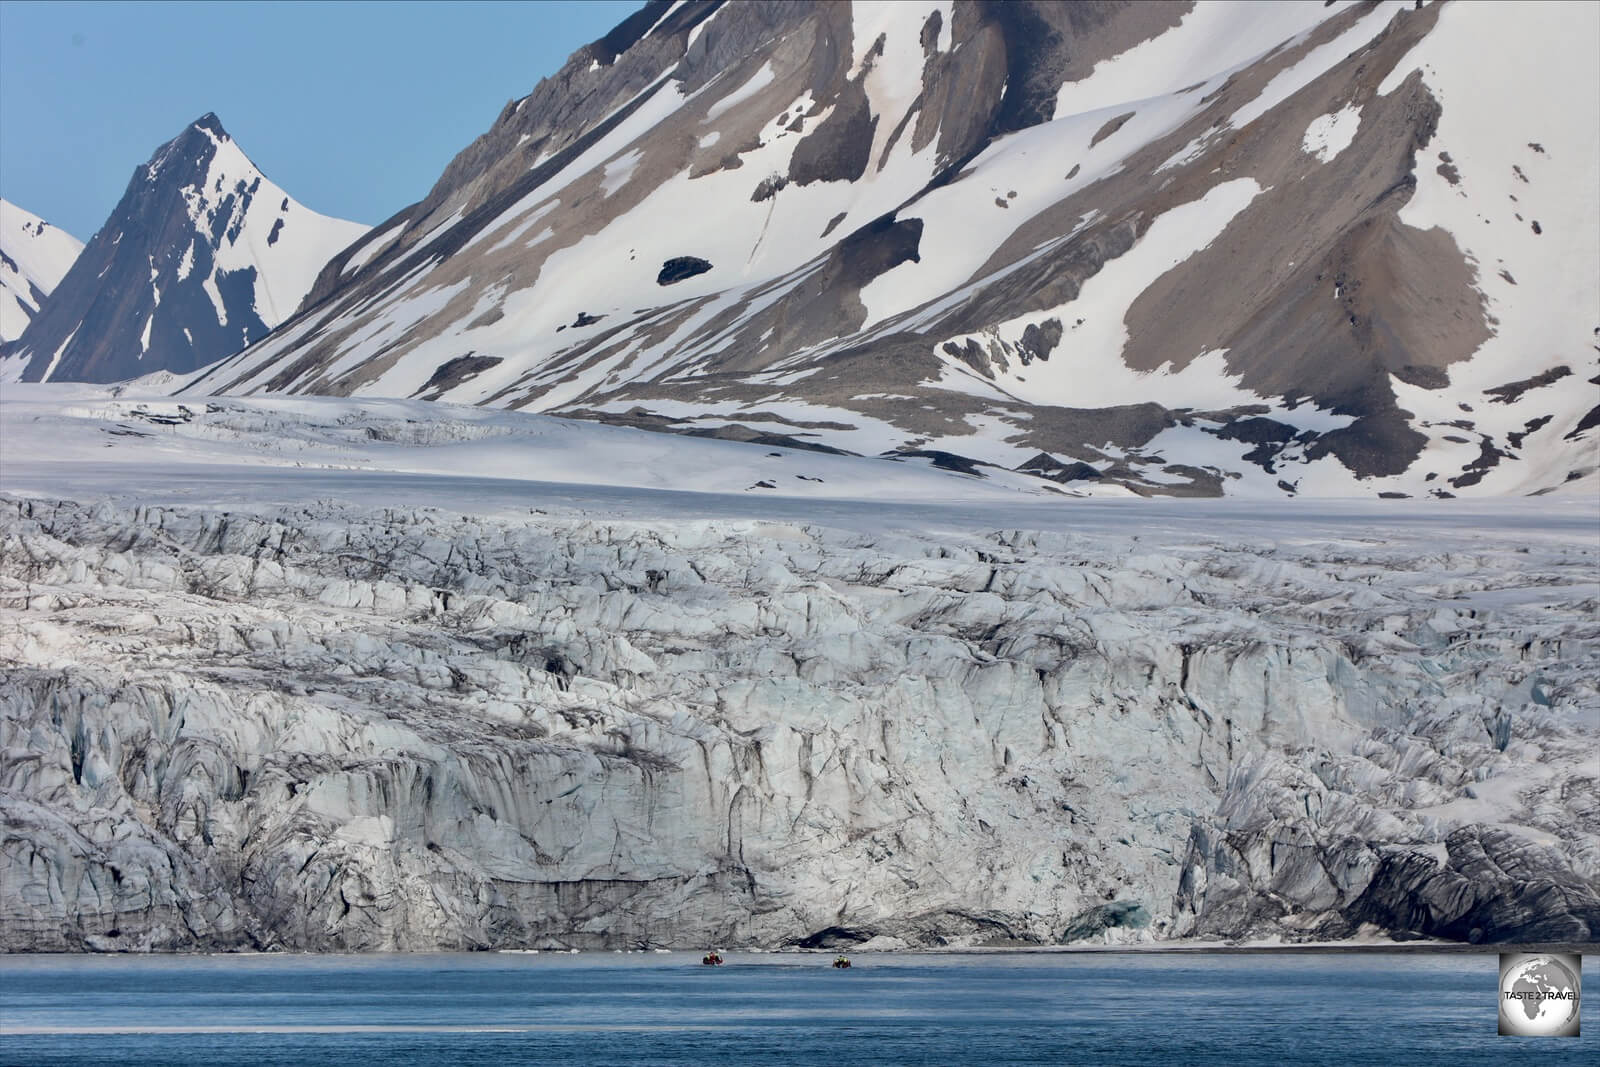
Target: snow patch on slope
x,y
1328,135
373,247
56,359
1315,63
894,83
1210,39
757,82
619,170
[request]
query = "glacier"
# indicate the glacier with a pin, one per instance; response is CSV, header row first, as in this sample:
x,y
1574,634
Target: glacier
x,y
345,675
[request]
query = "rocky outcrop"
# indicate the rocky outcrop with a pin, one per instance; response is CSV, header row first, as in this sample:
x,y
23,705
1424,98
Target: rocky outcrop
x,y
325,728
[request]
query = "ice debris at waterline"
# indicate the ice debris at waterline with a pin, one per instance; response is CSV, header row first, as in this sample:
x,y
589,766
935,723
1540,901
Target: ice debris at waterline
x,y
334,727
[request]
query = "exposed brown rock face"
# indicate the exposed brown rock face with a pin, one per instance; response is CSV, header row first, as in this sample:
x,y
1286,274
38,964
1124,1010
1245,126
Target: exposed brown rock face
x,y
934,227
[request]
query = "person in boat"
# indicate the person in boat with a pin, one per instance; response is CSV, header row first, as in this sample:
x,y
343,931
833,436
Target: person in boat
x,y
841,961
712,959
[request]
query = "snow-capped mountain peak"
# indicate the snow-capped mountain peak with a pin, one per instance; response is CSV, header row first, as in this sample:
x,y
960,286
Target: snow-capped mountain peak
x,y
34,256
203,255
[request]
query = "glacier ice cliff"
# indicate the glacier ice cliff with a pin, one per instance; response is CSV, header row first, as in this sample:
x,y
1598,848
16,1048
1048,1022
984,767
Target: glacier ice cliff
x,y
330,727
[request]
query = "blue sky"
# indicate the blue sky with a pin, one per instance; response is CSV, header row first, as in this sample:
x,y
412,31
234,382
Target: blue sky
x,y
353,108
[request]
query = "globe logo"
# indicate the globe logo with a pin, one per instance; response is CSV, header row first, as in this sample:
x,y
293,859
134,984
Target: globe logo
x,y
1539,995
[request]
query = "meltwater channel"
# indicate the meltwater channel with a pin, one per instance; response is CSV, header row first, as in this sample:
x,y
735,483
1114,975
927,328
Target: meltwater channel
x,y
1012,1008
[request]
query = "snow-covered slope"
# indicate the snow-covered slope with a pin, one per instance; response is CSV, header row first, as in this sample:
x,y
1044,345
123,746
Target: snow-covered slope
x,y
34,256
1221,247
339,674
201,256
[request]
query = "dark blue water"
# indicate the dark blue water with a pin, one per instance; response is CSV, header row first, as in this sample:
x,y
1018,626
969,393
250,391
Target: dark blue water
x,y
1096,1008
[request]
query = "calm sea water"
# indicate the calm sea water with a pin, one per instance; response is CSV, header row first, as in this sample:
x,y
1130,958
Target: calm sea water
x,y
1097,1008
